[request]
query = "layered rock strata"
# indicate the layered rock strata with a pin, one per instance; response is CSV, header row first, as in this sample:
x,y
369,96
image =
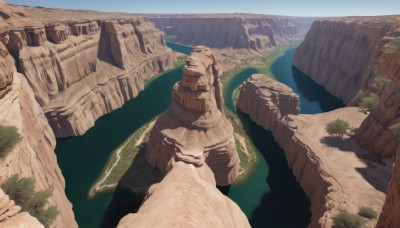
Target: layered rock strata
x,y
391,209
332,171
250,31
11,215
82,68
34,155
267,101
196,120
186,197
345,55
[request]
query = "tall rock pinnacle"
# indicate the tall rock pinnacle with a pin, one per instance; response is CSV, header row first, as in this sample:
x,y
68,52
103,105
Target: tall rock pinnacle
x,y
195,127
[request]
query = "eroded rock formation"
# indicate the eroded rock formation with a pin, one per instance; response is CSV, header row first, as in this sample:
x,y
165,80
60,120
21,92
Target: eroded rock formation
x,y
11,215
332,172
196,120
34,155
345,55
85,67
267,101
255,32
187,197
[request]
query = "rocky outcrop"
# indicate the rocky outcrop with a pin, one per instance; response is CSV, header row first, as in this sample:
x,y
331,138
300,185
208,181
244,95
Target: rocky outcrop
x,y
6,73
196,120
391,209
11,215
187,197
330,168
267,101
345,55
255,32
85,67
34,155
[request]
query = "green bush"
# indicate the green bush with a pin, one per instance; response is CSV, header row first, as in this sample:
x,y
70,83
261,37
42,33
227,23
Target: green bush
x,y
345,219
394,46
22,191
370,102
337,127
380,81
9,136
367,212
360,96
396,130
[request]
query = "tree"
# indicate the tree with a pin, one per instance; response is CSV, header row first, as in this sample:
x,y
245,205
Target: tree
x,y
337,127
9,136
370,102
345,219
396,130
22,191
380,81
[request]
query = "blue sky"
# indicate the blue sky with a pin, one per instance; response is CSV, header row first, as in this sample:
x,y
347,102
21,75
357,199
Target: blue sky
x,y
277,7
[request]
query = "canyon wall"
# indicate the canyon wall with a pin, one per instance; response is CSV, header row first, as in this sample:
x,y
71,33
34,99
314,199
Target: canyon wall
x,y
85,67
391,209
196,122
345,55
267,101
250,31
34,155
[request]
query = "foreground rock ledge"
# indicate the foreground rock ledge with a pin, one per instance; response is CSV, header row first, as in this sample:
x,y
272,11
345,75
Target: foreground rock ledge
x,y
186,197
196,121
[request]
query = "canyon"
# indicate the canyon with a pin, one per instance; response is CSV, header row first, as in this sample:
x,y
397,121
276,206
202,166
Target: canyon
x,y
345,55
82,68
240,31
323,165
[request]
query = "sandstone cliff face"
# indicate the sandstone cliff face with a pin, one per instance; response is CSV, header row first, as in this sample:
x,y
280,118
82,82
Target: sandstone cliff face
x,y
196,120
391,209
333,174
34,156
82,68
345,55
11,215
267,101
186,197
256,32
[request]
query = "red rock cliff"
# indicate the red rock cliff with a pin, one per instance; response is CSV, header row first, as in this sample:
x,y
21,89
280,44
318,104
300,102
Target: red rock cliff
x,y
82,64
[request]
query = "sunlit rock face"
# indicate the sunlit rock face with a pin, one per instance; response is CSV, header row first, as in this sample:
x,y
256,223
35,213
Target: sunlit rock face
x,y
80,64
196,120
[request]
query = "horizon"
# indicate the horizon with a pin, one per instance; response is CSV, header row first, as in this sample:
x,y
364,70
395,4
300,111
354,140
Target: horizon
x,y
307,8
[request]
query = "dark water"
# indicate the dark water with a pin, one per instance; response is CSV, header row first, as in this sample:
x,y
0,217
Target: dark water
x,y
82,158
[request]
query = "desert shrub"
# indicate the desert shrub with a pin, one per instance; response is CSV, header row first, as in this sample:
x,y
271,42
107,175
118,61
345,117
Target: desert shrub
x,y
360,95
345,219
370,102
337,127
380,81
22,191
396,130
367,212
9,136
394,46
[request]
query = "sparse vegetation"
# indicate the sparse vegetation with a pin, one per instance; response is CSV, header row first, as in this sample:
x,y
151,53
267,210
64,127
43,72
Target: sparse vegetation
x,y
380,81
367,212
337,127
9,136
22,191
396,130
369,102
345,219
393,46
361,94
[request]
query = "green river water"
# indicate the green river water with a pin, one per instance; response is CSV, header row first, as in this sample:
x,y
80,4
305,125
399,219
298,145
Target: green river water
x,y
270,196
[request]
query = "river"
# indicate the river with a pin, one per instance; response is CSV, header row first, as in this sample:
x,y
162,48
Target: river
x,y
270,196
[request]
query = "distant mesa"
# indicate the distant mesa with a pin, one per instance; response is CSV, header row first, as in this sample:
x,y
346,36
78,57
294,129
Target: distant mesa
x,y
195,127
